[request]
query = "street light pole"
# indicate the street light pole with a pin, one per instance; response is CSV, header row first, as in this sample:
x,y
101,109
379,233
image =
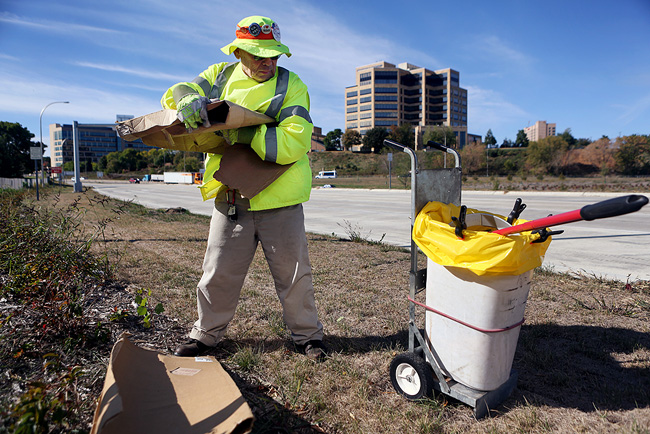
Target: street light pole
x,y
40,122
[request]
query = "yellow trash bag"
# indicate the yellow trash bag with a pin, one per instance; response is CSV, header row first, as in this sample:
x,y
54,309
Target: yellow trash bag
x,y
480,251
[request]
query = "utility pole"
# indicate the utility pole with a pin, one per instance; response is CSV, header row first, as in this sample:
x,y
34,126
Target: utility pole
x,y
40,121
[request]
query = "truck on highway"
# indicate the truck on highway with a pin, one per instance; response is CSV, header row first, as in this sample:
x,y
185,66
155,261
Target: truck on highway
x,y
326,174
153,177
183,177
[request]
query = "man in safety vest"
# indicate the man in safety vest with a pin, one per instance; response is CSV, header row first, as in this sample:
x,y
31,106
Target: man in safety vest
x,y
274,217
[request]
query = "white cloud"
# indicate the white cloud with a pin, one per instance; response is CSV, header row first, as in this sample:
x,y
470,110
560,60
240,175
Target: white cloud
x,y
498,51
53,26
87,105
8,57
132,71
633,111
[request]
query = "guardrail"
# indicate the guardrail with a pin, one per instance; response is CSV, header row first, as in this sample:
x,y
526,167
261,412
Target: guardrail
x,y
14,183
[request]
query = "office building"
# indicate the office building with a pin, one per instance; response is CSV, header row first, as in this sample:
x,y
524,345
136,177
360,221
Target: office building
x,y
539,131
95,141
386,95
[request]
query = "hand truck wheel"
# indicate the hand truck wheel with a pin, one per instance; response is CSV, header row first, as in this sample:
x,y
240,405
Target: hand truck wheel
x,y
411,376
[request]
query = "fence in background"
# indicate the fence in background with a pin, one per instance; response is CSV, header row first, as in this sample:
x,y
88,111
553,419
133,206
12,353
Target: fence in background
x,y
15,183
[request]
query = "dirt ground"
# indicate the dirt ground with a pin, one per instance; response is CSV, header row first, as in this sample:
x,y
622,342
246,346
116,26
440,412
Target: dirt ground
x,y
583,354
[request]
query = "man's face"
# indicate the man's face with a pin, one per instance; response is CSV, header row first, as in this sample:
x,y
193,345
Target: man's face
x,y
259,70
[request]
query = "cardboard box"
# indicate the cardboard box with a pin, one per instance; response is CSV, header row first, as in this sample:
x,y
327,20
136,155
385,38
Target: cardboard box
x,y
240,168
149,392
163,129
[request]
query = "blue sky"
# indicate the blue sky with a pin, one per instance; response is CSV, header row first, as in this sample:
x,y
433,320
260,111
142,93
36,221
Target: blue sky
x,y
584,65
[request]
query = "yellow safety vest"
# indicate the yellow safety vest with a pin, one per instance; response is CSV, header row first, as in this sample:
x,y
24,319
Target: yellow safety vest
x,y
284,98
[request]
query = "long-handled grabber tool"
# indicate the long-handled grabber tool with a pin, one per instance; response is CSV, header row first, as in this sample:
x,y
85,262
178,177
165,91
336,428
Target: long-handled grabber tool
x,y
607,208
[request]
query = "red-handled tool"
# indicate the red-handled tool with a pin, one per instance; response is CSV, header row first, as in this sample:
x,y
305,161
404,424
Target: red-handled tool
x,y
607,208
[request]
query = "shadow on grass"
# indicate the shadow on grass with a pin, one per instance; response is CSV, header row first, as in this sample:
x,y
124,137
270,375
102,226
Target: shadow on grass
x,y
588,368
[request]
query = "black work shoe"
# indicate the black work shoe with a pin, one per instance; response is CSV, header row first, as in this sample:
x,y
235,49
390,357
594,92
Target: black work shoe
x,y
315,350
191,348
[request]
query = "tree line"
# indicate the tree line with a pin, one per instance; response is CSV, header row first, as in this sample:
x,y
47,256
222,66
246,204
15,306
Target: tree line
x,y
558,155
563,154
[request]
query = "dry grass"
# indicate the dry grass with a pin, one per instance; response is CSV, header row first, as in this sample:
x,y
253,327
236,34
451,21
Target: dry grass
x,y
583,355
505,183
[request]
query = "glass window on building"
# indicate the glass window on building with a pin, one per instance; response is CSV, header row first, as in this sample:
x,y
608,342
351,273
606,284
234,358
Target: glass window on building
x,y
365,77
365,107
352,109
365,91
385,90
386,77
352,101
386,98
352,93
365,99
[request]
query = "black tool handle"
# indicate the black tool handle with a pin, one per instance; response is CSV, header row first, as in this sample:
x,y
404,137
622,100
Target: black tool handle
x,y
613,207
437,145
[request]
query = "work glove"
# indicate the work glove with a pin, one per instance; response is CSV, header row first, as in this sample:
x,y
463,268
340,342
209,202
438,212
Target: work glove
x,y
192,110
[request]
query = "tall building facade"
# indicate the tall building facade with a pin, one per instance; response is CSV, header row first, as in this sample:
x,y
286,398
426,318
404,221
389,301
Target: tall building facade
x,y
95,141
386,95
539,131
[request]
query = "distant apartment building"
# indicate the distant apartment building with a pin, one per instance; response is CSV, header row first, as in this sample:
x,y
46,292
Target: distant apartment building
x,y
95,141
386,95
317,139
539,131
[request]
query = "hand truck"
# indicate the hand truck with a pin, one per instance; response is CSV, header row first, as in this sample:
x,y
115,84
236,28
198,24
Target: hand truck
x,y
416,373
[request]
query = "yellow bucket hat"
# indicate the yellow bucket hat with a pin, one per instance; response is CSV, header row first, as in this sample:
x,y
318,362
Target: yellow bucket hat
x,y
259,36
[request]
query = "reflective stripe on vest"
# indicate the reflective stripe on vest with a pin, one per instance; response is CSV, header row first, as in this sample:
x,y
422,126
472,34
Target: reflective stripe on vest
x,y
221,80
271,137
295,110
203,84
281,87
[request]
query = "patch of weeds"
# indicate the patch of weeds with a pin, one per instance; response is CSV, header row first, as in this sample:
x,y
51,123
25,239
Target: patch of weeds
x,y
355,233
530,420
432,419
46,258
545,270
143,309
392,248
49,272
612,307
48,406
247,358
276,324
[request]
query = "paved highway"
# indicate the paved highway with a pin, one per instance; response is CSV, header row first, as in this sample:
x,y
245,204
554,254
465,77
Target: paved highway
x,y
614,248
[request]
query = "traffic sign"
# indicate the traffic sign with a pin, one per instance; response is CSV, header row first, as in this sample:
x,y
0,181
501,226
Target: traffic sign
x,y
35,152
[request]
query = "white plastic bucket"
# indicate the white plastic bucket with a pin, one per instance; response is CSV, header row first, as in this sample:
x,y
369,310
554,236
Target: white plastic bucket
x,y
480,359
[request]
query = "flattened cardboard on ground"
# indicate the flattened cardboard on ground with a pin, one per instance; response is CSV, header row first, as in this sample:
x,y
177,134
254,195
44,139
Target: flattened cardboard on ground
x,y
149,392
242,169
163,129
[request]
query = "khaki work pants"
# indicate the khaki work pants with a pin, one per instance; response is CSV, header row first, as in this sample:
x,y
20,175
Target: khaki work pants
x,y
230,250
